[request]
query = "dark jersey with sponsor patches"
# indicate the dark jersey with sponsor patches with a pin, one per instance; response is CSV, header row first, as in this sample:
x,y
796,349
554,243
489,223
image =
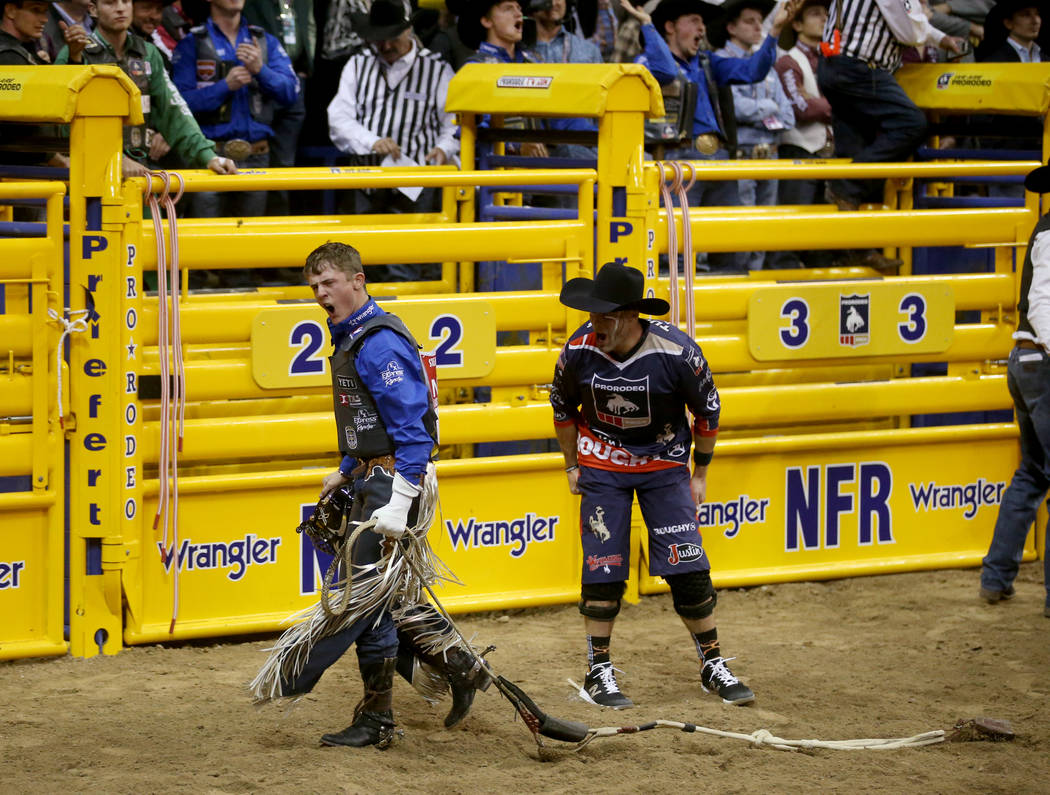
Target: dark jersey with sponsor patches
x,y
631,415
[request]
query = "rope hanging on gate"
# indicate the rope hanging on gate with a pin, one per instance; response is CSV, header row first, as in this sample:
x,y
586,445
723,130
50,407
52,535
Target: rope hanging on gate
x,y
172,400
688,256
672,241
71,324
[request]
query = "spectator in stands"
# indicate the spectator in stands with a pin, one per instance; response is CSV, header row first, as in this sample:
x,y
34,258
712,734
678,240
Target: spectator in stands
x,y
495,28
436,29
22,44
762,108
606,26
628,44
972,12
1011,32
675,43
291,21
146,17
874,120
21,33
340,38
556,44
233,75
390,110
66,14
1012,29
175,23
113,43
811,136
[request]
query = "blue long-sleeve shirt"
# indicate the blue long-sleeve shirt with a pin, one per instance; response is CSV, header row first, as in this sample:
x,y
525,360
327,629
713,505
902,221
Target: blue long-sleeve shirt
x,y
567,47
276,79
756,102
402,402
665,67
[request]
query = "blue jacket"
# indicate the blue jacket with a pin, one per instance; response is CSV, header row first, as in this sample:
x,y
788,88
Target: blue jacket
x,y
665,67
276,79
401,405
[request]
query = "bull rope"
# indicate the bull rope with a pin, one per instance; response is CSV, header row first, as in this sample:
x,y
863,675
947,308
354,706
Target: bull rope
x,y
172,417
672,240
580,735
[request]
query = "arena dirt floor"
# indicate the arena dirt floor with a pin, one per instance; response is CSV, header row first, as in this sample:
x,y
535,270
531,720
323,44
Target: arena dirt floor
x,y
887,656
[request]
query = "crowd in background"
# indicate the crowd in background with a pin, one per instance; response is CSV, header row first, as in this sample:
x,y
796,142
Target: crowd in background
x,y
237,84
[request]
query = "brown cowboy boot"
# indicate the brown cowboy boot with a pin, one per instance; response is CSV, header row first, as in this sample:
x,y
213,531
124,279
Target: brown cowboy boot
x,y
373,716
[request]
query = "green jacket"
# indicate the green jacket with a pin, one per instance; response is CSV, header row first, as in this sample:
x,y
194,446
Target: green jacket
x,y
163,105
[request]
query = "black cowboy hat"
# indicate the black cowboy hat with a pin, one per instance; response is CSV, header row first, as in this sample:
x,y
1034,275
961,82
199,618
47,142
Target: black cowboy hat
x,y
670,10
1038,180
788,36
386,19
717,33
468,22
995,32
616,288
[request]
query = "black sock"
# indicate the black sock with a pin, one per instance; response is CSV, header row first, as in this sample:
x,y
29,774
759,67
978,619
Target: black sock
x,y
707,645
597,650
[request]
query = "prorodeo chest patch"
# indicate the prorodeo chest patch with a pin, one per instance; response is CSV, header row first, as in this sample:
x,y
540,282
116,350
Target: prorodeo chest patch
x,y
622,402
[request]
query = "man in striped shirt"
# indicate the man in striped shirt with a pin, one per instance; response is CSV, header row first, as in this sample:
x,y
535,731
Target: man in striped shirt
x,y
390,109
873,119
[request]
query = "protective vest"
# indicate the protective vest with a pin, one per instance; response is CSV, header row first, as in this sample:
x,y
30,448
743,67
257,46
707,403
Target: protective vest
x,y
137,67
1026,279
676,124
9,43
361,431
813,135
210,69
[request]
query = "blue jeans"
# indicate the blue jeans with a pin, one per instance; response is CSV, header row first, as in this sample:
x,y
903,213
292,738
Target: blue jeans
x,y
710,194
873,119
1028,377
755,193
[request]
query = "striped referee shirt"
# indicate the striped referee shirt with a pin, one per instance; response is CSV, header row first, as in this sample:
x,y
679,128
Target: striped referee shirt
x,y
404,101
876,31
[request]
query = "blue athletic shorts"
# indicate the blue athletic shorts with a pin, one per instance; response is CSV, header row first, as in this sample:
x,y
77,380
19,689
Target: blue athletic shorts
x,y
675,545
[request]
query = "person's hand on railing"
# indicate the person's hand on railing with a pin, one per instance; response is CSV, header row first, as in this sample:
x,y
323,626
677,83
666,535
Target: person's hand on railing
x,y
132,168
954,44
222,165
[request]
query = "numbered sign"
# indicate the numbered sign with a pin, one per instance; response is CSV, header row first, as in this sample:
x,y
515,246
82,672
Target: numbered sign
x,y
833,320
291,344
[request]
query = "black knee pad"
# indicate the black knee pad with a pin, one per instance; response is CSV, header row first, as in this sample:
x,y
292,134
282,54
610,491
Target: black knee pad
x,y
601,592
693,594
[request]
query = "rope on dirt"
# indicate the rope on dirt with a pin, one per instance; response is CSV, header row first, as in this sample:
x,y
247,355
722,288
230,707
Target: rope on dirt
x,y
763,737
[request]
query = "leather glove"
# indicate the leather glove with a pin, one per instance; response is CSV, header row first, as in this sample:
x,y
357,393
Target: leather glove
x,y
392,518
